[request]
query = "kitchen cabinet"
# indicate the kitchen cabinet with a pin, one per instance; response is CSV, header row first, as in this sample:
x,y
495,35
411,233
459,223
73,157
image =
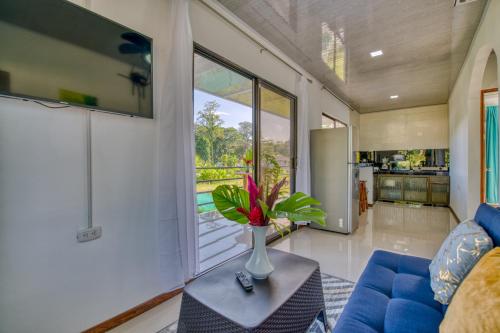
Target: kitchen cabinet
x,y
433,190
390,188
440,190
416,188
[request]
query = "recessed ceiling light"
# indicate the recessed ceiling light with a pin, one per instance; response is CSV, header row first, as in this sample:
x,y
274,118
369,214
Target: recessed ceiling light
x,y
394,96
376,53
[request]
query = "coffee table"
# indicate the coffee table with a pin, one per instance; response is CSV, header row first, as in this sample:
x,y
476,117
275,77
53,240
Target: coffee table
x,y
287,301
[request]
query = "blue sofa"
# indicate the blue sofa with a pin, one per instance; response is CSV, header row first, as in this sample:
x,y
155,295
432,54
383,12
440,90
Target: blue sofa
x,y
393,294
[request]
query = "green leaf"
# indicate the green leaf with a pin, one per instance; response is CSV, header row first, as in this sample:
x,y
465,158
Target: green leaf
x,y
264,207
298,208
228,198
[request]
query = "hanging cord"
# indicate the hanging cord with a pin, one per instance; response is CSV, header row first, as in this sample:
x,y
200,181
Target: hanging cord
x,y
89,169
51,107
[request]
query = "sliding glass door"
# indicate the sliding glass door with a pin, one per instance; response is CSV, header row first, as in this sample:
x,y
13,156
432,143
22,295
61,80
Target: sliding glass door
x,y
231,108
276,142
223,113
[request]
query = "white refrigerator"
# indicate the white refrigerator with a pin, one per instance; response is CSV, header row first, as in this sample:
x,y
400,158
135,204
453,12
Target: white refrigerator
x,y
335,177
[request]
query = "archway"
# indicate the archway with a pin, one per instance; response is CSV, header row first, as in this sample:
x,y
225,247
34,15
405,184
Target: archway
x,y
489,171
483,71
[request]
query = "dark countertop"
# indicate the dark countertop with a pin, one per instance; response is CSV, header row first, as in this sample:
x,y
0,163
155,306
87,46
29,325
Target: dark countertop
x,y
411,172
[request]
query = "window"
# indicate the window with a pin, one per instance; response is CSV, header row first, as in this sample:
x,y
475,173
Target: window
x,y
229,123
329,122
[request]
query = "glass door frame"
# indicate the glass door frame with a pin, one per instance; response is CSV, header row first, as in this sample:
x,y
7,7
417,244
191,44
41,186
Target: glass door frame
x,y
293,140
258,82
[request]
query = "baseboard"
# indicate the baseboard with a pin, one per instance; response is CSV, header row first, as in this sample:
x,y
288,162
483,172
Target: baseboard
x,y
454,214
133,312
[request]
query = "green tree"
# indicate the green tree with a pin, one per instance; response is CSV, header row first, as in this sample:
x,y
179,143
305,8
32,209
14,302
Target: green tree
x,y
209,127
201,146
246,131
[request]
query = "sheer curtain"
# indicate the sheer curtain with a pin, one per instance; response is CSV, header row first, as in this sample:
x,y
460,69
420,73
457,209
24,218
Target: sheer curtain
x,y
303,176
492,154
176,195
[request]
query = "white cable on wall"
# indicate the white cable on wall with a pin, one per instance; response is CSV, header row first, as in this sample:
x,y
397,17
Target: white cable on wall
x,y
89,168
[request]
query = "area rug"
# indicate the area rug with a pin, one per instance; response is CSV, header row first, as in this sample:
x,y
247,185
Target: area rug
x,y
335,290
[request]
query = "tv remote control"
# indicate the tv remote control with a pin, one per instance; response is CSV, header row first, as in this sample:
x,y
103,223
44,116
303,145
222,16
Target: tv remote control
x,y
244,281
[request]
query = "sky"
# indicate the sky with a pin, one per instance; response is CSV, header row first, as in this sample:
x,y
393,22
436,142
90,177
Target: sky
x,y
273,127
230,112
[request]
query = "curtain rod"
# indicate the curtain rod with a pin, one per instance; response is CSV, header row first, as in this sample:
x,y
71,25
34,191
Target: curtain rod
x,y
264,48
337,97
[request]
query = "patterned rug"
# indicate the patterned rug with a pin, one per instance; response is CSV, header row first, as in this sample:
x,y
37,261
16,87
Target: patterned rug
x,y
336,292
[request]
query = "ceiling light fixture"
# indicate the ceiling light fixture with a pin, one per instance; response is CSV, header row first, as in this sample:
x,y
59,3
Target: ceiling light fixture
x,y
394,96
376,53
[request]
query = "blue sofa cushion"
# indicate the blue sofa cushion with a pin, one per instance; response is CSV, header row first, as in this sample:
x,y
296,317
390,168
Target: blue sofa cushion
x,y
407,286
405,316
489,218
389,277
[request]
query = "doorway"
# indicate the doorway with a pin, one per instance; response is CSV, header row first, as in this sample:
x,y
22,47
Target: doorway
x,y
490,145
237,115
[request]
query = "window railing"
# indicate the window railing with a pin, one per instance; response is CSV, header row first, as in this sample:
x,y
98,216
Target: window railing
x,y
204,201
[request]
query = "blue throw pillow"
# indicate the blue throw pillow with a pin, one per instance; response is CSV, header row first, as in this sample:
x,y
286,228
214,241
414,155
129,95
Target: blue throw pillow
x,y
461,250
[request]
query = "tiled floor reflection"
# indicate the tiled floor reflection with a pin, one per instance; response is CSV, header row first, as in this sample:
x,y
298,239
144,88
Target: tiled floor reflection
x,y
405,229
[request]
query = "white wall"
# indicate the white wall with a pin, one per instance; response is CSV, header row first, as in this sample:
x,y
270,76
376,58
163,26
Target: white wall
x,y
490,79
48,281
51,283
415,128
464,123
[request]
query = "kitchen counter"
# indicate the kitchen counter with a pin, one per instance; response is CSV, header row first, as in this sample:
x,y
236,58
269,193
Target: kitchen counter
x,y
413,187
412,172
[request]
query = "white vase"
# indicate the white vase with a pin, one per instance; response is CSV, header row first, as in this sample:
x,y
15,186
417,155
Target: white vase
x,y
259,265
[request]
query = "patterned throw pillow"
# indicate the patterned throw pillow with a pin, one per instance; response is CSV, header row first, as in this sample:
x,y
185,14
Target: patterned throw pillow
x,y
461,250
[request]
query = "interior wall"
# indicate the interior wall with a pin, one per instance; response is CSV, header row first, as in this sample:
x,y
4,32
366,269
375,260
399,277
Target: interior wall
x,y
464,115
49,281
414,128
490,79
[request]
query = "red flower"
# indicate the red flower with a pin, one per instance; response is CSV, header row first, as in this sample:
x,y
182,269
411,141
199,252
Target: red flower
x,y
247,162
242,211
256,218
253,191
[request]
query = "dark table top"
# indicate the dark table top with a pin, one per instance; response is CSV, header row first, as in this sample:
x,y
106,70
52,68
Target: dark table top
x,y
220,291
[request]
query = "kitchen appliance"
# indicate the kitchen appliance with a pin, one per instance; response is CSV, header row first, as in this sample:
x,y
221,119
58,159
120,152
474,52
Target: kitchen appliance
x,y
366,174
335,177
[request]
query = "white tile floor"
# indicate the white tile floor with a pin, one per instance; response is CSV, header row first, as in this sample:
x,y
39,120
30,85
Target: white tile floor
x,y
416,231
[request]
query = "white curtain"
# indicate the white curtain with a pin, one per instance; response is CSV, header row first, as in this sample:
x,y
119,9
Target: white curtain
x,y
303,177
176,201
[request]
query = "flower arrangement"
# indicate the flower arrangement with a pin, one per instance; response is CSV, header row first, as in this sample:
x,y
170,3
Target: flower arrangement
x,y
261,207
250,206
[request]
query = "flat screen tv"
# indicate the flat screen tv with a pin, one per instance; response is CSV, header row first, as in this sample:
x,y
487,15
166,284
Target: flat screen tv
x,y
55,51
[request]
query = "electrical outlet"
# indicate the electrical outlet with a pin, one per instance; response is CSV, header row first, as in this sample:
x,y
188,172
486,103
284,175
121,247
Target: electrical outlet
x,y
341,223
89,234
